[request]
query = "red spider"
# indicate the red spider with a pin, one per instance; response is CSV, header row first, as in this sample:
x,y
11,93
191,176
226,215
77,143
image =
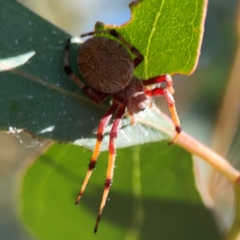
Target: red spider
x,y
107,68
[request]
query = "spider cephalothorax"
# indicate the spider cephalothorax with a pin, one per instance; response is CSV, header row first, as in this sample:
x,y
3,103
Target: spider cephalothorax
x,y
107,68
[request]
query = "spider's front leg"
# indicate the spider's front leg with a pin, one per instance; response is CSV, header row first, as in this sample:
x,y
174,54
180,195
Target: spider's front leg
x,y
111,160
139,57
167,92
103,123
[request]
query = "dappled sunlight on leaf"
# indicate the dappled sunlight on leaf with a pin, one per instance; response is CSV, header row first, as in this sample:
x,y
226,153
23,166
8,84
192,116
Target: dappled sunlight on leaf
x,y
12,62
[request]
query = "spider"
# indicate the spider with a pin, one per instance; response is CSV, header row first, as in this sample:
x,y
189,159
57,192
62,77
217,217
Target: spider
x,y
107,68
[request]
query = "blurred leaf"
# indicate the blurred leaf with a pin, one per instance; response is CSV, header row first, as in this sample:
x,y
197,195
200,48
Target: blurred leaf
x,y
168,206
234,232
39,97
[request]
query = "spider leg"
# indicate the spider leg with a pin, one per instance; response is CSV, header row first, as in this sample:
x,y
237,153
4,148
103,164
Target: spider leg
x,y
171,106
132,117
103,123
139,57
95,95
159,79
111,160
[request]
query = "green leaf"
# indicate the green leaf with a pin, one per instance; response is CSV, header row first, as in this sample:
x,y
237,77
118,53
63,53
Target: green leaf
x,y
39,97
153,196
167,33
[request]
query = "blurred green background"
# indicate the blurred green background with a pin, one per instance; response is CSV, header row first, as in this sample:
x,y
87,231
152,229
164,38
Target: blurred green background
x,y
199,98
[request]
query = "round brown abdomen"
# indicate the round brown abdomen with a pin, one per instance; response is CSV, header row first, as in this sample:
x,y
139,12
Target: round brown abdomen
x,y
105,64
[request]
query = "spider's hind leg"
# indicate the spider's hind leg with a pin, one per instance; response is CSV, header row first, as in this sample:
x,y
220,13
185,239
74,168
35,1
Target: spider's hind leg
x,y
167,92
111,160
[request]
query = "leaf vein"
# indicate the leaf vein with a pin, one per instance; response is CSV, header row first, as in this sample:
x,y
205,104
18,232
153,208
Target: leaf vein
x,y
192,36
150,38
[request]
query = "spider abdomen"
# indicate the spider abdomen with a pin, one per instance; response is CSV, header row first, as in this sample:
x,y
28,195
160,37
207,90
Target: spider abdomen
x,y
105,64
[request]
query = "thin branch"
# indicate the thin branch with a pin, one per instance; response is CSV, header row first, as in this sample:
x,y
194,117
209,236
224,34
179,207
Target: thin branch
x,y
193,146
